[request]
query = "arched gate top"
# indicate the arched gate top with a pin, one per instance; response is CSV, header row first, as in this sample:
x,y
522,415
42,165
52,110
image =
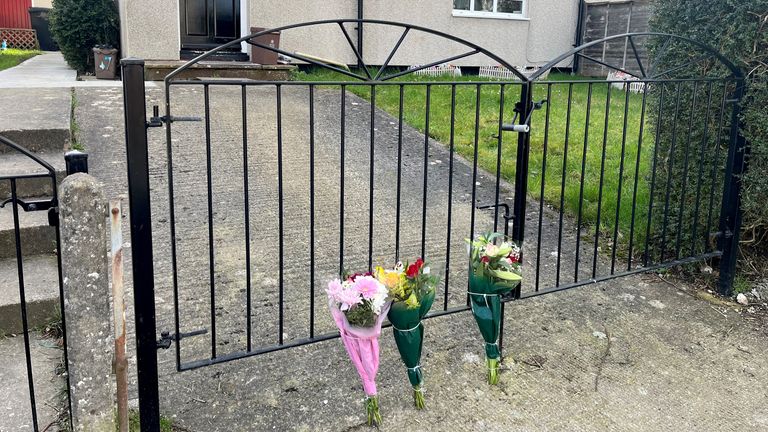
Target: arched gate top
x,y
367,75
708,52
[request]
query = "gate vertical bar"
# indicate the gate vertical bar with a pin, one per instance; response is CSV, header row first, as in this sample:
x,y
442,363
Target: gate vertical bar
x,y
23,303
62,308
730,215
521,167
141,241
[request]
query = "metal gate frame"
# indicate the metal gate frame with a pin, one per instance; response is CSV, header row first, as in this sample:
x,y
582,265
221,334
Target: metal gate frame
x,y
136,125
49,205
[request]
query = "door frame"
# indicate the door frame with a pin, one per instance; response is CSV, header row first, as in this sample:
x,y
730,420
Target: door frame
x,y
242,20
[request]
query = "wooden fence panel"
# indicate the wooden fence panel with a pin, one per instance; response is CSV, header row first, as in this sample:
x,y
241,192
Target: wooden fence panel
x,y
15,14
607,19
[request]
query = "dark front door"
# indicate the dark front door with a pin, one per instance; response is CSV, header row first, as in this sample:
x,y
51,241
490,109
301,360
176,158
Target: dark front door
x,y
209,23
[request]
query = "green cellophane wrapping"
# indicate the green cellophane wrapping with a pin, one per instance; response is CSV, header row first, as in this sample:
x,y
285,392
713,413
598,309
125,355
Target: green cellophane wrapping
x,y
410,342
487,312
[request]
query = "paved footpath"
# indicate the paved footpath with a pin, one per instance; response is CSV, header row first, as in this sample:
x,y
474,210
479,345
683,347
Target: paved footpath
x,y
633,354
47,70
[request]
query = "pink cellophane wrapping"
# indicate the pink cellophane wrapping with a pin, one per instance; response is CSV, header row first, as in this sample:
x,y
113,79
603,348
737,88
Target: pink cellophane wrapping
x,y
362,345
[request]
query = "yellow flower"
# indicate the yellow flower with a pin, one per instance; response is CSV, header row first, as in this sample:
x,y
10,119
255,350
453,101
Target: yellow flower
x,y
412,302
394,280
379,273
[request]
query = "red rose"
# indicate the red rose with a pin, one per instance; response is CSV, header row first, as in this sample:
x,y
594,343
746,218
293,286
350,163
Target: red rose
x,y
513,258
413,269
484,259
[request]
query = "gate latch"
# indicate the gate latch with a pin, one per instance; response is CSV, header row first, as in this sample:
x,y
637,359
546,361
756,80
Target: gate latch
x,y
31,205
157,121
166,337
39,204
523,127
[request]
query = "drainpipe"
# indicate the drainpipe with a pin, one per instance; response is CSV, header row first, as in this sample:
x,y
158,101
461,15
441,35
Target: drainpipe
x,y
360,32
579,39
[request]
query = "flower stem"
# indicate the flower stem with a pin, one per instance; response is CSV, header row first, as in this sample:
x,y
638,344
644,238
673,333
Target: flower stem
x,y
493,370
372,411
418,397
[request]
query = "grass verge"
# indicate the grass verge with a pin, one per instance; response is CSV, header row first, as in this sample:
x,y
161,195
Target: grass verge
x,y
13,57
586,152
166,425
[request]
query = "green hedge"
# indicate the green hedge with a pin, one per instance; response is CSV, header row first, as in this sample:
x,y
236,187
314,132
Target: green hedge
x,y
79,25
739,30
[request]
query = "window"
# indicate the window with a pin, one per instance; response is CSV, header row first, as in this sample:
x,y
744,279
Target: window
x,y
510,9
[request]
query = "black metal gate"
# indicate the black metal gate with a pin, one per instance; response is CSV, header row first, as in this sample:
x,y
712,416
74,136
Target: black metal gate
x,y
318,180
28,186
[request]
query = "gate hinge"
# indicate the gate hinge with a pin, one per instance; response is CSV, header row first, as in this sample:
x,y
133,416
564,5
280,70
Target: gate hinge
x,y
166,337
157,121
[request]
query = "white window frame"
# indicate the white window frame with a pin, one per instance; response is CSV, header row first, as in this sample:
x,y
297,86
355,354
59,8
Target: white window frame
x,y
472,13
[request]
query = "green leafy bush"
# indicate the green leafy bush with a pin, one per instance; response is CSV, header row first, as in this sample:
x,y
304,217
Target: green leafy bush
x,y
79,25
739,30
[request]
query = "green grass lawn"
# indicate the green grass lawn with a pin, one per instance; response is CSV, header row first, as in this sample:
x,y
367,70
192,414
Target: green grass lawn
x,y
12,57
573,198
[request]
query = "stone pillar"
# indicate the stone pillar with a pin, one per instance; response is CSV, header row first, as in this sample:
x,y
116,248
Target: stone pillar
x,y
83,223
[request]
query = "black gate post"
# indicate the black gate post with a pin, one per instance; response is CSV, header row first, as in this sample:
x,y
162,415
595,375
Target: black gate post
x,y
141,241
730,213
521,167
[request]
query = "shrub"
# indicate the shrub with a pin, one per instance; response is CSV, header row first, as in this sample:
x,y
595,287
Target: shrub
x,y
79,25
739,30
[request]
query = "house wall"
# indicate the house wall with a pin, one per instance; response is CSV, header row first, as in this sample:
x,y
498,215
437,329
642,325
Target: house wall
x,y
42,3
150,29
547,31
323,41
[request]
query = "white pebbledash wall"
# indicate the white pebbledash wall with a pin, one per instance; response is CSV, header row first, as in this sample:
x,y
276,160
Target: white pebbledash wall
x,y
151,29
42,3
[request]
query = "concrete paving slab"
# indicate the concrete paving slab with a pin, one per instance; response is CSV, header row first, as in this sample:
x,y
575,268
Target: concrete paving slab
x,y
37,237
667,361
46,70
17,164
15,409
37,119
41,289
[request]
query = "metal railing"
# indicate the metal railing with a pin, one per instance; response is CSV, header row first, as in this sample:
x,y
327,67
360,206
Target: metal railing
x,y
44,172
614,140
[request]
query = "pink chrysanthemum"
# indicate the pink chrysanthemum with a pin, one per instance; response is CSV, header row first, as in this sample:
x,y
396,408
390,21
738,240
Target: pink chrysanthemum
x,y
334,289
367,286
348,298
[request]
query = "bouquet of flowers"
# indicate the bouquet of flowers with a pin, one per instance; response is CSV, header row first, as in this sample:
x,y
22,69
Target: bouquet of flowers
x,y
495,270
359,303
412,289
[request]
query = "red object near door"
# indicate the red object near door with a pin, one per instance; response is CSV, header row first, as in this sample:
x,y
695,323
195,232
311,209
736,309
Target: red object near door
x,y
15,14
